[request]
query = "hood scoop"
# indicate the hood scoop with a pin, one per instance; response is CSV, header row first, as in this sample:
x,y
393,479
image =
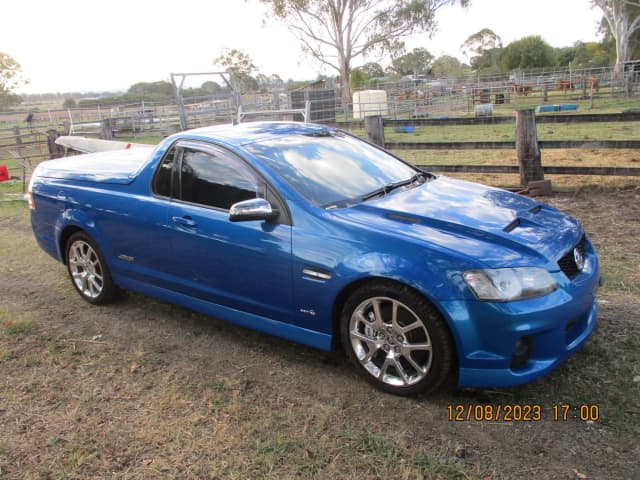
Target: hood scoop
x,y
523,222
512,226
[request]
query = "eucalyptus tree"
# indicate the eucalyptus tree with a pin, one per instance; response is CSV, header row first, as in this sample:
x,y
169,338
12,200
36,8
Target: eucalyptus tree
x,y
336,32
623,19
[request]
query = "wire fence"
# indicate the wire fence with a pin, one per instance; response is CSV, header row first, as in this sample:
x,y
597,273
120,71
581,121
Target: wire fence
x,y
23,144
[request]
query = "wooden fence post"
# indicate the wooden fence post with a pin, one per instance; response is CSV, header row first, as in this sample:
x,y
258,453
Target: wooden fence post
x,y
374,126
105,130
527,149
55,150
18,137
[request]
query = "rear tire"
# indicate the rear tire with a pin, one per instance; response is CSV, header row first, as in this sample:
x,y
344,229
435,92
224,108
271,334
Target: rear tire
x,y
396,339
88,269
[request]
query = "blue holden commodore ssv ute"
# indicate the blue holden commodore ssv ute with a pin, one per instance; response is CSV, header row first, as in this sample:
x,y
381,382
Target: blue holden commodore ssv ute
x,y
308,233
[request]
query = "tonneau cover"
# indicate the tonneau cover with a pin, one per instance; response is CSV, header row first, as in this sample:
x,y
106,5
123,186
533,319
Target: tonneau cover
x,y
120,166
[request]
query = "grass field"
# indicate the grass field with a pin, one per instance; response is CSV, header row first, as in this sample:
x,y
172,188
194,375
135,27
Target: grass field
x,y
142,389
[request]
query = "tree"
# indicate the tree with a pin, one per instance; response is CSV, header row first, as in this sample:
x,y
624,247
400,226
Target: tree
x,y
211,87
336,32
489,61
269,83
372,70
416,62
162,89
590,55
368,74
526,53
448,66
358,79
623,19
609,43
10,79
479,44
69,103
565,55
240,65
584,55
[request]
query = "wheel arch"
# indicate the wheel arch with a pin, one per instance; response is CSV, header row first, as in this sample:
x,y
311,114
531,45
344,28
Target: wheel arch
x,y
65,234
449,375
74,220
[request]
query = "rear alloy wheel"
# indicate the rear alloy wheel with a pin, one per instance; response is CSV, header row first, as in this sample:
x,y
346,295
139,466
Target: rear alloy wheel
x,y
88,270
396,338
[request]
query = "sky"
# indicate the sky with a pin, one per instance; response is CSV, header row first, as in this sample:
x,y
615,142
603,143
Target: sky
x,y
84,45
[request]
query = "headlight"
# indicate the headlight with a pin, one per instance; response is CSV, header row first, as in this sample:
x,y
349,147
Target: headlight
x,y
507,284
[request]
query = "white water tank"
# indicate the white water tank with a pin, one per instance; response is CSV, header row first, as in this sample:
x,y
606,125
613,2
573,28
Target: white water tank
x,y
484,110
367,103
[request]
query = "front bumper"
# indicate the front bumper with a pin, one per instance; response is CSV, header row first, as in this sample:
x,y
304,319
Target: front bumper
x,y
548,349
553,327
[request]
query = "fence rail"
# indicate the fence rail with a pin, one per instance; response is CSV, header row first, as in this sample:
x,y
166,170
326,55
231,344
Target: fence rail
x,y
436,103
550,170
511,145
526,144
497,120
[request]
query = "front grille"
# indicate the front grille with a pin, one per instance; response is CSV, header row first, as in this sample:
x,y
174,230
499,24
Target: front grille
x,y
568,263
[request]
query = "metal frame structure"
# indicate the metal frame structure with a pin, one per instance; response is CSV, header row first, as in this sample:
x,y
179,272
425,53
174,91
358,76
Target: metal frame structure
x,y
305,112
227,77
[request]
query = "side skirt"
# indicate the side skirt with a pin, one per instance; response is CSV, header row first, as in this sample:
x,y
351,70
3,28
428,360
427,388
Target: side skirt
x,y
287,331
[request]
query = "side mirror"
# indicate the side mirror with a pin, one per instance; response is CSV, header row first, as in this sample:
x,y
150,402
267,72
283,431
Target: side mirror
x,y
254,209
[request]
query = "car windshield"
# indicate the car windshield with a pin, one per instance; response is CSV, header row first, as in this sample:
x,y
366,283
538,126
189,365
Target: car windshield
x,y
332,169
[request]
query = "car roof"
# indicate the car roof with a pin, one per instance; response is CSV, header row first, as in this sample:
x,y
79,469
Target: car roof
x,y
250,132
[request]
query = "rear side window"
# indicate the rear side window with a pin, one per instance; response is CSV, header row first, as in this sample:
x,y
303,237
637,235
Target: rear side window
x,y
216,179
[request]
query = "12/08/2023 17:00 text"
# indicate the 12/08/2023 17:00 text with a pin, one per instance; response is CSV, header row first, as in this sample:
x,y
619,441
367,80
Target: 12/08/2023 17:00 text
x,y
526,412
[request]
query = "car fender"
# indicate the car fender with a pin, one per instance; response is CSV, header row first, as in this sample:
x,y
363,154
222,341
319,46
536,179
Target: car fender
x,y
435,285
77,219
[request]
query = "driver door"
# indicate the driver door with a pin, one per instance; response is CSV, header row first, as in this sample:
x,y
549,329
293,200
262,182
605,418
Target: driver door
x,y
242,265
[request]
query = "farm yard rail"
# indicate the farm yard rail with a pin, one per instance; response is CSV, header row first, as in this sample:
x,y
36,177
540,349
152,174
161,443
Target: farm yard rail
x,y
601,143
570,120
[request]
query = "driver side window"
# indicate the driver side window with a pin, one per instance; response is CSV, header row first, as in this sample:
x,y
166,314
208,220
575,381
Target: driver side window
x,y
216,178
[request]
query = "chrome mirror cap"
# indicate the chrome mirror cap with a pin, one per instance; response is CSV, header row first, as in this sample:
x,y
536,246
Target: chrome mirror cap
x,y
254,209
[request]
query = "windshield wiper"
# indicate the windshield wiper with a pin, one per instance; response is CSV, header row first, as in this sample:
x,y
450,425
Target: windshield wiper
x,y
392,186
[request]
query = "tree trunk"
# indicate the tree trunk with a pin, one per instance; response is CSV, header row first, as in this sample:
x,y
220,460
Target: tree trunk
x,y
622,51
345,90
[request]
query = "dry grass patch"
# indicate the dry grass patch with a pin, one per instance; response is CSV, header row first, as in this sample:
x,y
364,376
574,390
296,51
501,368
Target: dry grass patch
x,y
89,408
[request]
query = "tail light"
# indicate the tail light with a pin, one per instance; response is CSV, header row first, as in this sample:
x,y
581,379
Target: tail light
x,y
29,195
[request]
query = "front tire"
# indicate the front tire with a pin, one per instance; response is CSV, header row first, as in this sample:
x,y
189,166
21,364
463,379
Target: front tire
x,y
396,339
88,269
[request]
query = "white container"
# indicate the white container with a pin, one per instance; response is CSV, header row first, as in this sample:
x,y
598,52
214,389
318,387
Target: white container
x,y
484,110
368,103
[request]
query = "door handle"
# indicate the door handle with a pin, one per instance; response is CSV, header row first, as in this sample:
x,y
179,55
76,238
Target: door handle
x,y
185,221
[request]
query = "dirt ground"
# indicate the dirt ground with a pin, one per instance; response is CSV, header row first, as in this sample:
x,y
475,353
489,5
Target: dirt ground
x,y
143,389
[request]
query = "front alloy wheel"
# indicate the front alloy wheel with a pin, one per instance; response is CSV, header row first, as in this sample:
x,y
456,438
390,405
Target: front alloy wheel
x,y
397,339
